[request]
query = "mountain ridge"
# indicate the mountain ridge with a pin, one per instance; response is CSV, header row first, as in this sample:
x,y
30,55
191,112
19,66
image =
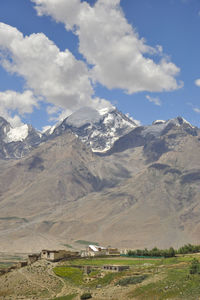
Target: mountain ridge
x,y
100,130
143,192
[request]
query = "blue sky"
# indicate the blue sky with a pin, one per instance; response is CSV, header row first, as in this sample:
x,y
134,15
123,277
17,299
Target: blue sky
x,y
106,61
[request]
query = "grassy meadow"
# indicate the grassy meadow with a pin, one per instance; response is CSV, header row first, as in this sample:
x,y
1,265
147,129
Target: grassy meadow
x,y
147,279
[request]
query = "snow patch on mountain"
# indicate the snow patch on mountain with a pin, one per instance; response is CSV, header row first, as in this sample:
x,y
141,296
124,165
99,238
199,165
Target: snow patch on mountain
x,y
180,121
99,129
104,128
17,134
158,126
157,122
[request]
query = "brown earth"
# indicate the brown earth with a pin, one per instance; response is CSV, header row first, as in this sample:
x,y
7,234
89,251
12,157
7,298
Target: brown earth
x,y
62,192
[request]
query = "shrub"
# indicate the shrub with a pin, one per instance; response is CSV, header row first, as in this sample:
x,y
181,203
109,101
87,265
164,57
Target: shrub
x,y
155,252
86,296
195,267
131,280
189,249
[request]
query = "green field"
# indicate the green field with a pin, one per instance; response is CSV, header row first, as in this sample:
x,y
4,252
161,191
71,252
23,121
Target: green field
x,y
76,276
147,279
5,265
177,284
113,261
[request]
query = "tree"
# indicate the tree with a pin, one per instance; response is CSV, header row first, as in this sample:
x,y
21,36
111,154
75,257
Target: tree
x,y
195,267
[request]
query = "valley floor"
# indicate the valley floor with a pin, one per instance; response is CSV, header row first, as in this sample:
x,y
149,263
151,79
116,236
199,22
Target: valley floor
x,y
150,279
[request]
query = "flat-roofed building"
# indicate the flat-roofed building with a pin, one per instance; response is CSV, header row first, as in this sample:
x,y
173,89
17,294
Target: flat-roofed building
x,y
56,255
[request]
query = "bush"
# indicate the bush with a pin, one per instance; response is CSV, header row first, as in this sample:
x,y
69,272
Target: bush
x,y
131,280
189,249
86,296
195,267
155,252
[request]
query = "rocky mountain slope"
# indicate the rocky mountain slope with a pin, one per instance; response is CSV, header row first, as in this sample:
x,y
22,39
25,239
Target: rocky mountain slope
x,y
143,191
97,129
17,142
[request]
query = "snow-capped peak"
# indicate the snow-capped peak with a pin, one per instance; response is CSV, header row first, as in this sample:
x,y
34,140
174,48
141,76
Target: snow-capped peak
x,y
17,134
99,129
106,110
158,122
181,121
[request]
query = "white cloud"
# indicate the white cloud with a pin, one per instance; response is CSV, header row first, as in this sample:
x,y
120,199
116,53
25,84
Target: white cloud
x,y
197,82
119,58
154,100
21,103
137,122
197,110
55,76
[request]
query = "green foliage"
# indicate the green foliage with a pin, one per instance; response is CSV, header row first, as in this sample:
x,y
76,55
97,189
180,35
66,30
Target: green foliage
x,y
131,280
195,267
86,296
188,248
74,275
176,284
108,278
110,261
173,277
94,273
175,260
155,252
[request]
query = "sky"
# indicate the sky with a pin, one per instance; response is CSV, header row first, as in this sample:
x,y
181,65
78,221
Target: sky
x,y
140,56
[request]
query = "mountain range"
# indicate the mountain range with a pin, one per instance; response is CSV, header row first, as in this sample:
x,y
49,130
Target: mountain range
x,y
99,176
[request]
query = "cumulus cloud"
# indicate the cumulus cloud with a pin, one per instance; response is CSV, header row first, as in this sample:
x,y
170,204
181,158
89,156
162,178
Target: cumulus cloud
x,y
117,56
197,82
154,100
20,103
54,75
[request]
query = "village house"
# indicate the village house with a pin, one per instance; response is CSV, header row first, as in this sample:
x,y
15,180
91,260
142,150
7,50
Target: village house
x,y
115,268
93,250
112,251
56,255
124,251
33,258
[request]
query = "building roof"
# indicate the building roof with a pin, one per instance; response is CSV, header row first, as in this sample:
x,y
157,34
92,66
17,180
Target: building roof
x,y
96,248
51,251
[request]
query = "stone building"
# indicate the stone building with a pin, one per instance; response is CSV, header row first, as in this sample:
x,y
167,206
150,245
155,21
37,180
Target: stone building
x,y
115,268
33,258
94,250
112,251
56,255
